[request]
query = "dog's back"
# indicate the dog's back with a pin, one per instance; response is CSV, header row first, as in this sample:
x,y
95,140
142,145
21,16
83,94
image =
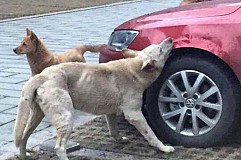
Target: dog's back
x,y
89,84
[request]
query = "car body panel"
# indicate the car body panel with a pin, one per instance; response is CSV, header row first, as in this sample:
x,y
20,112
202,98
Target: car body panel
x,y
180,14
211,26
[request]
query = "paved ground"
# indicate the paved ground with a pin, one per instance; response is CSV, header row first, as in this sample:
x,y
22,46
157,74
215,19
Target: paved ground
x,y
59,32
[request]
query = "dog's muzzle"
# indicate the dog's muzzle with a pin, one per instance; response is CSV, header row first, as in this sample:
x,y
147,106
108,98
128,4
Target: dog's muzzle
x,y
15,51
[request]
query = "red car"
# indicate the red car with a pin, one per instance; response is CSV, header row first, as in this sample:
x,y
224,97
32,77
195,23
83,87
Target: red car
x,y
196,99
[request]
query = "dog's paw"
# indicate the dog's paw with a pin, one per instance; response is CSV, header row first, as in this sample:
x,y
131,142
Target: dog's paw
x,y
167,149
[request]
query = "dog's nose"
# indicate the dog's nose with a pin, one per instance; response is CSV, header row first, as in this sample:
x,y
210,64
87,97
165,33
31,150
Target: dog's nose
x,y
169,40
14,50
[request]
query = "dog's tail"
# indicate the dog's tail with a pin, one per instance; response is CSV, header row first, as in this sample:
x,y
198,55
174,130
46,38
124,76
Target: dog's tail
x,y
91,48
25,105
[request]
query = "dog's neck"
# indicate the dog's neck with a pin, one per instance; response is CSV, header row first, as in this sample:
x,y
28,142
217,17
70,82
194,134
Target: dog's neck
x,y
134,65
40,58
149,74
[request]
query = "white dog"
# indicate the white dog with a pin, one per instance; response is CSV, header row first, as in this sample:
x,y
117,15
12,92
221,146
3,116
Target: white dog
x,y
93,88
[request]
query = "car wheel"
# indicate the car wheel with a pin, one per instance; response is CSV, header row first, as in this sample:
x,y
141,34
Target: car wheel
x,y
194,102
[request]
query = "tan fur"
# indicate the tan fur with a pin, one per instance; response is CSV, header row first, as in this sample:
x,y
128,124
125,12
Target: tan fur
x,y
39,58
95,88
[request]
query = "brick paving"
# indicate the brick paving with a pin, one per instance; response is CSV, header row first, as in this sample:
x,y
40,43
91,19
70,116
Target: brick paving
x,y
59,31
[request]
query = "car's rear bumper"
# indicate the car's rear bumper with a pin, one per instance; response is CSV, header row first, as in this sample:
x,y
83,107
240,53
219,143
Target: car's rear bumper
x,y
107,55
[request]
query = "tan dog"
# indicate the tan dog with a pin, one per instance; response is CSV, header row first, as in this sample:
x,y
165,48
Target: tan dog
x,y
186,2
39,57
93,88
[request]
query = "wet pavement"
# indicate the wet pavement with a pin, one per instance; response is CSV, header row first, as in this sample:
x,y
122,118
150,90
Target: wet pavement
x,y
59,31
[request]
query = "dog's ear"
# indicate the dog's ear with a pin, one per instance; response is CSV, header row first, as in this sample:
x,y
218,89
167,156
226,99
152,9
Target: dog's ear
x,y
28,32
33,36
128,53
148,64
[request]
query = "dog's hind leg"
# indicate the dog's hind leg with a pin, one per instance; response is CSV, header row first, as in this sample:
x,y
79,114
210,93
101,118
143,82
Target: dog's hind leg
x,y
35,118
112,126
58,108
137,119
62,137
63,122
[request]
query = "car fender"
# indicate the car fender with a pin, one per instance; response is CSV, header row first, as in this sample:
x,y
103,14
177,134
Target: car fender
x,y
225,46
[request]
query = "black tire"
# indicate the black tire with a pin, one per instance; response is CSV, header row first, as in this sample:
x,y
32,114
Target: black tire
x,y
229,90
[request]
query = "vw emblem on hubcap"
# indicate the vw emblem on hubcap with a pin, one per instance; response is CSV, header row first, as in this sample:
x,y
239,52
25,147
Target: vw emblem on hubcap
x,y
190,103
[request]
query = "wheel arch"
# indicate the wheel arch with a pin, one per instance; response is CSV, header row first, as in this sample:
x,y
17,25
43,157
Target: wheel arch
x,y
190,51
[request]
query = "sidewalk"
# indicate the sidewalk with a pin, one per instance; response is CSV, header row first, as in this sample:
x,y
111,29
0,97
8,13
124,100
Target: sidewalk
x,y
59,31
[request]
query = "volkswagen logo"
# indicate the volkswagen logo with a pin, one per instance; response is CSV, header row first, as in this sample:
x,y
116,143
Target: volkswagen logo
x,y
190,103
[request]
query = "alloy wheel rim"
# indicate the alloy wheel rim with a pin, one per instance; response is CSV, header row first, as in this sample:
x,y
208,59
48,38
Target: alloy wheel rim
x,y
190,103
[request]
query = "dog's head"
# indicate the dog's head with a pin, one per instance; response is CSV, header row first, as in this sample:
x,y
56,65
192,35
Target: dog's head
x,y
153,56
28,44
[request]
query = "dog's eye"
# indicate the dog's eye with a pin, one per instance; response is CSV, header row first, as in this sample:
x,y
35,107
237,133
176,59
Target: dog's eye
x,y
24,44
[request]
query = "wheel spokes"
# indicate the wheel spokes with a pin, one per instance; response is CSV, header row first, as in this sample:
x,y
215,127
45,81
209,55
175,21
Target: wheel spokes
x,y
208,93
185,81
195,127
190,109
170,99
174,89
217,107
197,84
171,114
205,119
181,122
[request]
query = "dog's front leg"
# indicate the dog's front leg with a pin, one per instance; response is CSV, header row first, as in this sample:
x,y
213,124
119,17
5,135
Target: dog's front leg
x,y
137,119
